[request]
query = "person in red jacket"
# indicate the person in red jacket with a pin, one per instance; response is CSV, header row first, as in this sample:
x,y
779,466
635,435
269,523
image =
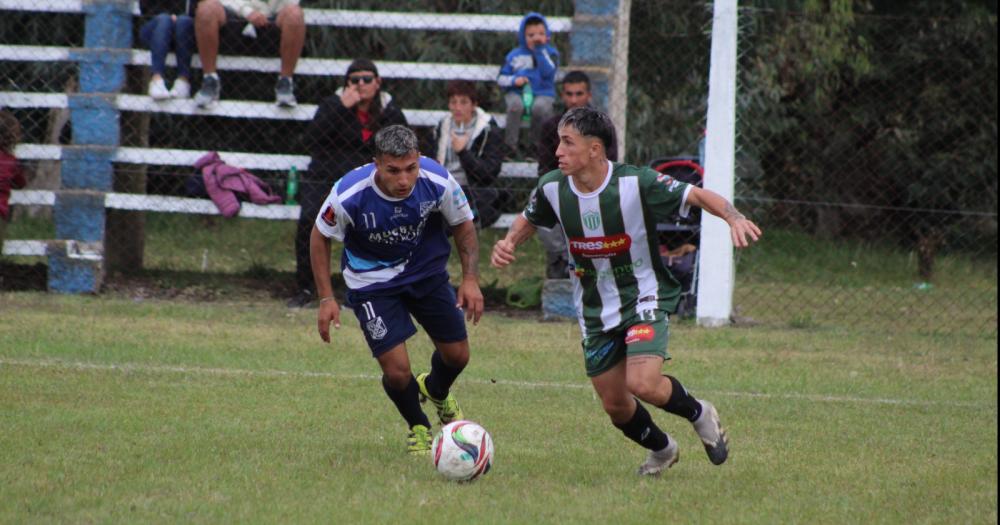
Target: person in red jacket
x,y
11,174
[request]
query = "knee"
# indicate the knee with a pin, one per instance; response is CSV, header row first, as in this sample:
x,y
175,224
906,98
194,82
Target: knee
x,y
291,16
643,388
458,358
618,408
162,20
210,10
184,22
398,378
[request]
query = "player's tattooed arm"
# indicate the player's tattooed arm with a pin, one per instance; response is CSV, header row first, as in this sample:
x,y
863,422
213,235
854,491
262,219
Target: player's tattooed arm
x,y
742,230
730,213
468,249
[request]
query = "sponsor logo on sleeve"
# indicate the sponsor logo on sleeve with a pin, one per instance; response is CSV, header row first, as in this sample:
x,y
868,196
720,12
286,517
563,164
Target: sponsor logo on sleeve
x,y
329,216
459,198
640,333
671,183
600,247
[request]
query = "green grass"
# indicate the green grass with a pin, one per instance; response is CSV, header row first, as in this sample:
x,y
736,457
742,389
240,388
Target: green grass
x,y
122,410
789,280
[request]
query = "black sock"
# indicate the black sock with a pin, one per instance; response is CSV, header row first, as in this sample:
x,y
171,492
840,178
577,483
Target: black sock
x,y
643,431
681,403
407,401
442,376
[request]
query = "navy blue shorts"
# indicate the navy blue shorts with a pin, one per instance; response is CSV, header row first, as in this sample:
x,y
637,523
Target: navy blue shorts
x,y
385,315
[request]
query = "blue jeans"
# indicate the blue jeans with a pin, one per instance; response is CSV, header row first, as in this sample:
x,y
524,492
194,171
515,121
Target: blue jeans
x,y
160,32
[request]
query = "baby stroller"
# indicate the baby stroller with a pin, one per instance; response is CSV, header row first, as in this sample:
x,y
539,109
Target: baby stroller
x,y
680,237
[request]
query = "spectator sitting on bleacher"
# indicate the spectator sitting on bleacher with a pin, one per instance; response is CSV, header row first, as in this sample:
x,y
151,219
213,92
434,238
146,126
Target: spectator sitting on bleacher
x,y
575,93
11,174
339,139
533,63
468,143
171,26
258,15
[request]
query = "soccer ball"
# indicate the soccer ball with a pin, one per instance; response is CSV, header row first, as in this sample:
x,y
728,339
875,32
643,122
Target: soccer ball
x,y
462,451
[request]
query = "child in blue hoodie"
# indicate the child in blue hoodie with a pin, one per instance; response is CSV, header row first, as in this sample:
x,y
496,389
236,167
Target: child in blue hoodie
x,y
532,62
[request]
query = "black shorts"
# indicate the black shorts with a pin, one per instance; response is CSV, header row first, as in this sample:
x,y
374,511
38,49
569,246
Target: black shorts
x,y
385,315
232,41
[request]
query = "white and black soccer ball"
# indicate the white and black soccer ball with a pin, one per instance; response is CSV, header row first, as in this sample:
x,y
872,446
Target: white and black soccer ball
x,y
462,451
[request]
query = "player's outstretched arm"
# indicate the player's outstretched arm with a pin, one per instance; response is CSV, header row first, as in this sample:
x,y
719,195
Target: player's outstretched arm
x,y
470,297
742,230
503,250
319,256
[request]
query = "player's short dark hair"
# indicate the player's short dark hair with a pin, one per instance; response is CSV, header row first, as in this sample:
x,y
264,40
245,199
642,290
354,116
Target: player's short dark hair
x,y
576,77
466,88
395,141
591,122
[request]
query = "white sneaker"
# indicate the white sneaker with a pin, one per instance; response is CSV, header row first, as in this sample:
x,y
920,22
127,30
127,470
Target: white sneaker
x,y
181,89
158,89
712,435
660,460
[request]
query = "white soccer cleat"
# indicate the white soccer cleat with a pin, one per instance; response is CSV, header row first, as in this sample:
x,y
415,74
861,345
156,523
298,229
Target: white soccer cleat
x,y
712,435
660,460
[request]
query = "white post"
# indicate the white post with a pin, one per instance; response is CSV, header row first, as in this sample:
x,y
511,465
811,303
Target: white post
x,y
716,270
618,97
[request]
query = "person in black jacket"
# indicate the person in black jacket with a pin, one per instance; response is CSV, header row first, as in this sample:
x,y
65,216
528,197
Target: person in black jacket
x,y
339,139
470,145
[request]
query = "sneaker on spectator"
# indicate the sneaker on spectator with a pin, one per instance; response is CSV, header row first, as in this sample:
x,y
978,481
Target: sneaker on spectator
x,y
301,300
158,89
284,93
181,89
209,92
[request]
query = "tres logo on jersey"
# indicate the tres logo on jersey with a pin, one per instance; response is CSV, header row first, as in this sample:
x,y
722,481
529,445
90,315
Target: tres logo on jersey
x,y
329,216
640,333
600,247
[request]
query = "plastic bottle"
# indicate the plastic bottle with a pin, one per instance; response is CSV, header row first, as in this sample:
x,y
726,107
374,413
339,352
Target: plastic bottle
x,y
528,99
292,187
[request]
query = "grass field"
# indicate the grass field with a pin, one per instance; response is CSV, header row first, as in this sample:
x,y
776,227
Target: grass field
x,y
123,410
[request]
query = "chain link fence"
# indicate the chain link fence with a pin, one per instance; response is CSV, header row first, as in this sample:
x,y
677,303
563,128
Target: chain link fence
x,y
866,139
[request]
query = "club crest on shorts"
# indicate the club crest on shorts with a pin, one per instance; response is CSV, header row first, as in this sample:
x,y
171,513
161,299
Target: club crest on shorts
x,y
376,328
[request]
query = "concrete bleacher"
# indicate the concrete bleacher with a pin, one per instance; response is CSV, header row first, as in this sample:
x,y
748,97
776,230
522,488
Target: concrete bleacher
x,y
240,109
87,164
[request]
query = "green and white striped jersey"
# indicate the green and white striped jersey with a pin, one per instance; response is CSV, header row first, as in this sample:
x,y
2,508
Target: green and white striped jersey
x,y
618,276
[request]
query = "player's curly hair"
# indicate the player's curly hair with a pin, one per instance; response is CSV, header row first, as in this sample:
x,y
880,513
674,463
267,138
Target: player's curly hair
x,y
591,122
10,131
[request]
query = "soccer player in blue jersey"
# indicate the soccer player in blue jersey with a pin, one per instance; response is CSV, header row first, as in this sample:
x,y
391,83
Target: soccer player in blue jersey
x,y
393,216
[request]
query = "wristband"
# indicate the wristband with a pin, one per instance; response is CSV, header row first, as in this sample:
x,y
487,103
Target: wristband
x,y
325,299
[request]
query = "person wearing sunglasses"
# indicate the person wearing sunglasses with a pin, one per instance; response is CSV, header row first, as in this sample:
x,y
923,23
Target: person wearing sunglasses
x,y
339,139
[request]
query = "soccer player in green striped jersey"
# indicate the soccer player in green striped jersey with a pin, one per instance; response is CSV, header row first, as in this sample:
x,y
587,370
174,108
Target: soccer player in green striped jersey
x,y
622,291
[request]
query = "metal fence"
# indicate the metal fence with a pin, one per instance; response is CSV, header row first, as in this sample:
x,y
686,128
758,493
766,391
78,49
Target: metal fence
x,y
867,138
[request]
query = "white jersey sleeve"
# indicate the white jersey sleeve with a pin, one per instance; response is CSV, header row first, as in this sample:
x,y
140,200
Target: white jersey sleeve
x,y
333,219
454,204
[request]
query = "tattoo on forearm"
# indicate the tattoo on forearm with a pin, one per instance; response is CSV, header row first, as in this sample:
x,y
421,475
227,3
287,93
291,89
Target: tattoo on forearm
x,y
468,251
730,212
